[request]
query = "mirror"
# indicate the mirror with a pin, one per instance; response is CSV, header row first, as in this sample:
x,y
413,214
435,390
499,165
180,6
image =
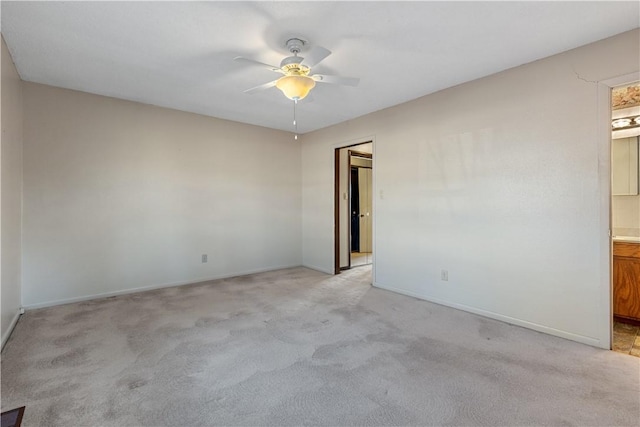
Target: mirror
x,y
624,160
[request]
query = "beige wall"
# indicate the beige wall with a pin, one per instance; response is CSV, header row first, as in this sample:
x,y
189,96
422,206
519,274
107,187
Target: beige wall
x,y
11,214
121,196
501,182
495,180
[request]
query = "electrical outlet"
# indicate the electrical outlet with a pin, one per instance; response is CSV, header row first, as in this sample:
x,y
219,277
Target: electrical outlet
x,y
204,257
444,275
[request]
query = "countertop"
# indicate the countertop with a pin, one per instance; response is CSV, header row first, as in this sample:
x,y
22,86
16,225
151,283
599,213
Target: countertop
x,y
626,239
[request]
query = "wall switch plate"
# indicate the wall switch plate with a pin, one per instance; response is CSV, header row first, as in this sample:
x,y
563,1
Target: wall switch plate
x,y
444,275
204,257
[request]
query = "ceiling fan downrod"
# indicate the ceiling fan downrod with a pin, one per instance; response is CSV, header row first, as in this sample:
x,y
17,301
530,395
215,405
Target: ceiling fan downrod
x,y
295,45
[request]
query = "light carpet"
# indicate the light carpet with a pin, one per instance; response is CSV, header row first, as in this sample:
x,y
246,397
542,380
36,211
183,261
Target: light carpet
x,y
298,347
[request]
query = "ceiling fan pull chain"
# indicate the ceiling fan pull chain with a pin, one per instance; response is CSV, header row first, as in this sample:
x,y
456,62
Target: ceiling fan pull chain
x,y
295,122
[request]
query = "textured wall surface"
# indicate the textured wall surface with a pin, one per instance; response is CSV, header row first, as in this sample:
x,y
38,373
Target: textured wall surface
x,y
11,191
496,181
121,196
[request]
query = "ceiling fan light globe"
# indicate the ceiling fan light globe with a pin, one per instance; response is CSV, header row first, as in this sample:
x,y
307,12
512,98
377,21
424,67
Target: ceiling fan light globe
x,y
295,87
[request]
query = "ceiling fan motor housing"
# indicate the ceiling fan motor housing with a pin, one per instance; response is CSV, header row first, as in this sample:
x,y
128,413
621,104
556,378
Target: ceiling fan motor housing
x,y
291,65
295,45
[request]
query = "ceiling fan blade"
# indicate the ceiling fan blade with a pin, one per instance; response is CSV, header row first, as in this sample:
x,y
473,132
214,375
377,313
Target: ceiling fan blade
x,y
347,81
254,62
315,55
261,87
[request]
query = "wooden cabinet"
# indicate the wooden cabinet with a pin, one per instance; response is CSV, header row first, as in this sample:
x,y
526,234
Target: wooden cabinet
x,y
626,280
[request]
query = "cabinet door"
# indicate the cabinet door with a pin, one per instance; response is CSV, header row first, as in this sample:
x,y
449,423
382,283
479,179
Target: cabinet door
x,y
624,165
626,287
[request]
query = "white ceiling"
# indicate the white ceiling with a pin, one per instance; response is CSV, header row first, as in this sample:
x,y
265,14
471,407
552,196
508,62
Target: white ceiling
x,y
180,54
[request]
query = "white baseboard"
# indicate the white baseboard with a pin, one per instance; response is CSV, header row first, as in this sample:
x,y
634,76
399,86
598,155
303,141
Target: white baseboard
x,y
150,288
595,342
7,333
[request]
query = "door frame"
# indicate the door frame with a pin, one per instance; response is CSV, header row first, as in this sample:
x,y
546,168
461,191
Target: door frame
x,y
604,112
336,198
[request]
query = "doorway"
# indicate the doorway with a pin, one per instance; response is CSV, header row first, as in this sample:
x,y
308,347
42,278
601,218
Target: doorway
x,y
353,206
625,217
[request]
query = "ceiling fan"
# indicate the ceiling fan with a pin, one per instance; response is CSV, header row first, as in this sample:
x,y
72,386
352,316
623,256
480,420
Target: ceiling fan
x,y
297,79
